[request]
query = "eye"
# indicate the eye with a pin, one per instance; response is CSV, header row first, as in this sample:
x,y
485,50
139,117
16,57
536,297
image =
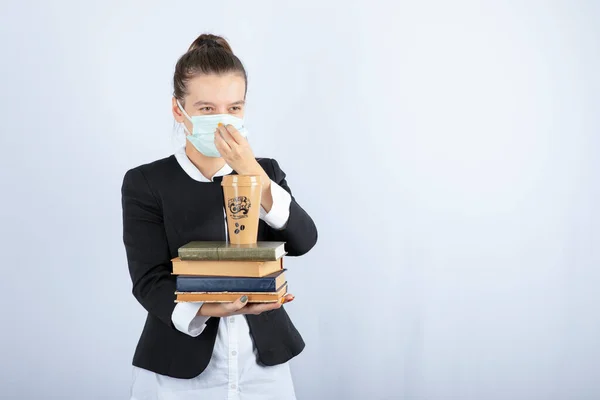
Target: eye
x,y
235,108
206,109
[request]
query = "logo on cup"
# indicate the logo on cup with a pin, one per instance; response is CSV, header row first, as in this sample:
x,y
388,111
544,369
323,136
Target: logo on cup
x,y
239,207
238,228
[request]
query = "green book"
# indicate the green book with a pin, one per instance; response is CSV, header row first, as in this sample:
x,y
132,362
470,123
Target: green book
x,y
225,251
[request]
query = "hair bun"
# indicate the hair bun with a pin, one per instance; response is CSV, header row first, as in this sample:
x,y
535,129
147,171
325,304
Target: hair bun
x,y
208,41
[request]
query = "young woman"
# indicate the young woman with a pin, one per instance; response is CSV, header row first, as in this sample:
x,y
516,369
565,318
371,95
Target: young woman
x,y
194,350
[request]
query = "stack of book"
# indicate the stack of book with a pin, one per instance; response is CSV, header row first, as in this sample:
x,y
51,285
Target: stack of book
x,y
216,272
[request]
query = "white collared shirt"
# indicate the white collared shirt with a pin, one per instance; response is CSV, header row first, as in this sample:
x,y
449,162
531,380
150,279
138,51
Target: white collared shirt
x,y
232,373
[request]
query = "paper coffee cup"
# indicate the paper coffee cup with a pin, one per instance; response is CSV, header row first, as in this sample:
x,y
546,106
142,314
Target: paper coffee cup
x,y
242,194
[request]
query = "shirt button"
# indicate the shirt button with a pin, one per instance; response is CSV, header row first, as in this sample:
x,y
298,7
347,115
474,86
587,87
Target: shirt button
x,y
231,319
233,386
234,353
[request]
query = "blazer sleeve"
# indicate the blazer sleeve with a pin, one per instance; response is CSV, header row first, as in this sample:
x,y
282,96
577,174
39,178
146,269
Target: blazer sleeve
x,y
146,246
300,232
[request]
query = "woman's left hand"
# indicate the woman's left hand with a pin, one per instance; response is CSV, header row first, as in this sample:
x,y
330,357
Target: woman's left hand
x,y
236,151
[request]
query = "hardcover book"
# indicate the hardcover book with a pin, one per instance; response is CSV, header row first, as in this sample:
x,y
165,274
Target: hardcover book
x,y
226,297
251,269
269,283
226,251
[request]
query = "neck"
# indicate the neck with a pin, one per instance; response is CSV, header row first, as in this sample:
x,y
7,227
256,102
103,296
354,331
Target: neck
x,y
208,166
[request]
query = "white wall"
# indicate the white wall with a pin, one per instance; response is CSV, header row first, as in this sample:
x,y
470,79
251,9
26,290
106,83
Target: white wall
x,y
459,140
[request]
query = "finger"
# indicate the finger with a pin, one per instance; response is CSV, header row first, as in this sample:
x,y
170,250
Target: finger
x,y
235,134
227,135
236,305
221,144
287,298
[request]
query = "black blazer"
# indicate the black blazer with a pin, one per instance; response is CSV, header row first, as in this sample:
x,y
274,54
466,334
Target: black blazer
x,y
163,209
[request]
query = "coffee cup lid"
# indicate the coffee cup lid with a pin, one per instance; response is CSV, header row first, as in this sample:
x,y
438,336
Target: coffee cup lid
x,y
240,180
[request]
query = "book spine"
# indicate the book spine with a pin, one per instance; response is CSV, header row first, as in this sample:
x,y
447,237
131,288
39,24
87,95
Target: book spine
x,y
247,255
198,255
195,284
228,255
252,298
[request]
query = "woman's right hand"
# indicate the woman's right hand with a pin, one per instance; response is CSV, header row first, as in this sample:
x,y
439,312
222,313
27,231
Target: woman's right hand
x,y
240,306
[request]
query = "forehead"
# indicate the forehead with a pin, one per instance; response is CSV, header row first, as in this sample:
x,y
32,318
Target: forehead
x,y
218,89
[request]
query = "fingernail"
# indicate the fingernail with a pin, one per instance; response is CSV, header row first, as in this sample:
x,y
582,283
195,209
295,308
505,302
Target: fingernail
x,y
244,299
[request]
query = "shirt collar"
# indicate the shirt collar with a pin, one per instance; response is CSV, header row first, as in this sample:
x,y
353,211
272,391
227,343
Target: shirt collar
x,y
193,172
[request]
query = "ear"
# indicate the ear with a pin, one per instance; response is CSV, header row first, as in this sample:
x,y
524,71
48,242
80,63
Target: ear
x,y
177,114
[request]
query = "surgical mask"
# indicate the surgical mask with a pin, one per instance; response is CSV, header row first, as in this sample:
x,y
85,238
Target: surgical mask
x,y
202,136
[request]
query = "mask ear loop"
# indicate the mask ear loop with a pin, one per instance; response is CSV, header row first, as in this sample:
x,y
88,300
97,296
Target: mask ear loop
x,y
186,115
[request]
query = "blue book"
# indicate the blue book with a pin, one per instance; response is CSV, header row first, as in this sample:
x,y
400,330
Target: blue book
x,y
268,283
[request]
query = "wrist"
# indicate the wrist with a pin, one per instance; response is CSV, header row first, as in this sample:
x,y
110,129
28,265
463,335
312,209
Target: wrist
x,y
256,169
252,169
266,183
200,313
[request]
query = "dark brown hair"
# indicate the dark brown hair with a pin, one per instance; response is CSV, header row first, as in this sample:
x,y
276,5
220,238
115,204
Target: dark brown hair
x,y
208,54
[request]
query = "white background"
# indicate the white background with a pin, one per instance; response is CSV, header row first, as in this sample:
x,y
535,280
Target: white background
x,y
447,151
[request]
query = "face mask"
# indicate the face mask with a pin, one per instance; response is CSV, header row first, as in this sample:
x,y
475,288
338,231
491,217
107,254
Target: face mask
x,y
202,136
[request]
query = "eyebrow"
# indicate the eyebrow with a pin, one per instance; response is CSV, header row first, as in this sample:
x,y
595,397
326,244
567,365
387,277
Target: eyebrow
x,y
208,103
